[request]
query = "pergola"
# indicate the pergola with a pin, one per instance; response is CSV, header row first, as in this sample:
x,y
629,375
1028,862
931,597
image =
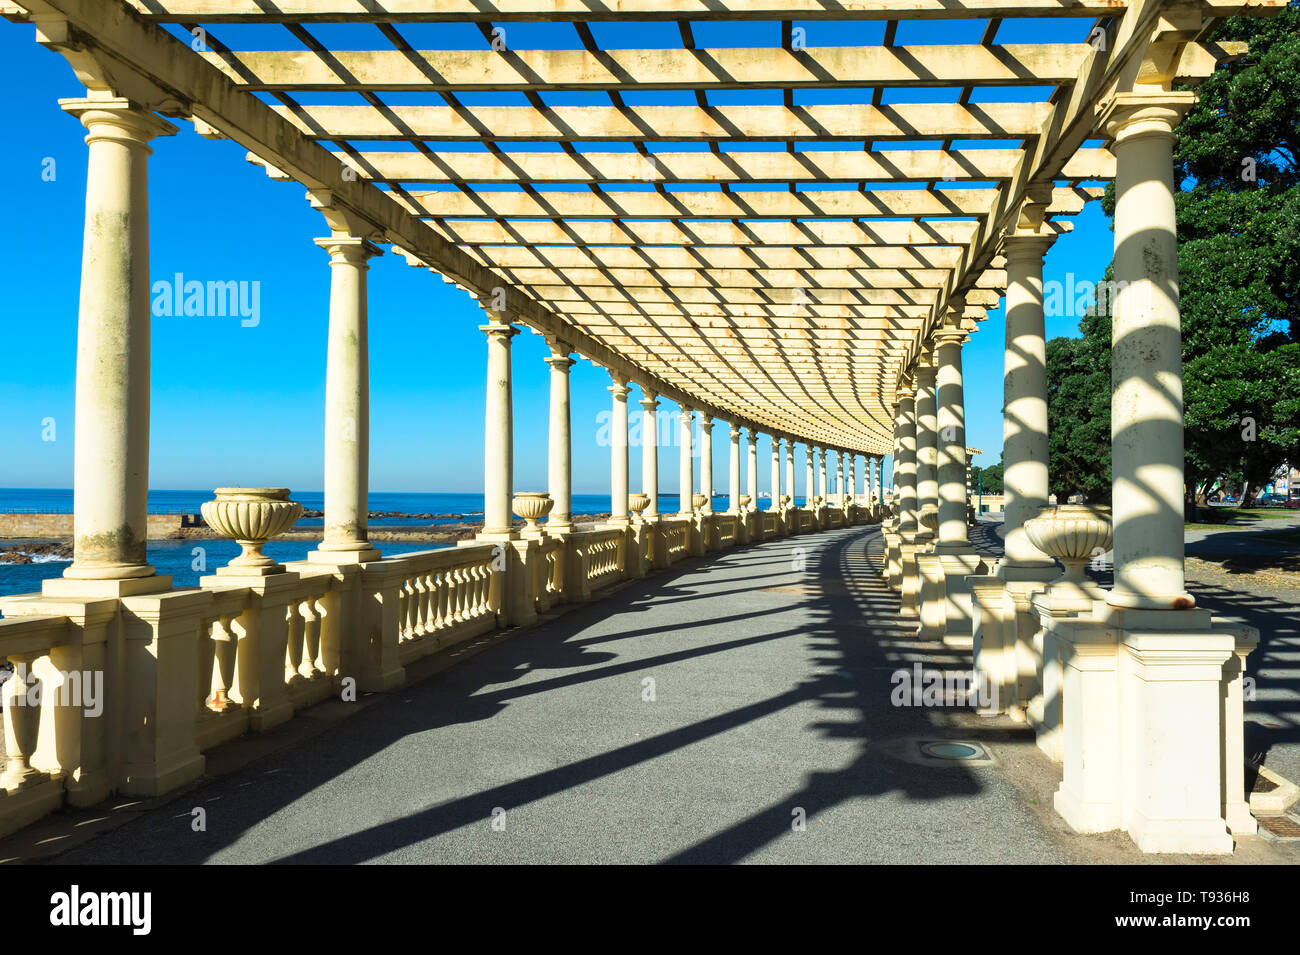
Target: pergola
x,y
791,233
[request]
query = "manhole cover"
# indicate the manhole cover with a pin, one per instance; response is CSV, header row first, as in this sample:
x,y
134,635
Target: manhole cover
x,y
951,749
1280,827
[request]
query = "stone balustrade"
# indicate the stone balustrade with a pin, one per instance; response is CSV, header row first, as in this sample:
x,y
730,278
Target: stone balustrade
x,y
200,666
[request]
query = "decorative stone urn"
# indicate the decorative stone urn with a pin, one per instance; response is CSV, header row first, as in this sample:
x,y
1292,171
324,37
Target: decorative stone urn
x,y
744,502
698,501
532,506
636,503
251,516
785,500
1074,534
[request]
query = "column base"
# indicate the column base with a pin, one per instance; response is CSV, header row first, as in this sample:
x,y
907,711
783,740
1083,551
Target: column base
x,y
124,587
1085,817
1190,836
95,571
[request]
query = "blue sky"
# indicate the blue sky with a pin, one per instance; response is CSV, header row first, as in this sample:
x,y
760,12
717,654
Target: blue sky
x,y
243,405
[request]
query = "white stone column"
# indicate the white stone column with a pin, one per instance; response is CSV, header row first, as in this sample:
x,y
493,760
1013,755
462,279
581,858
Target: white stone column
x,y
686,473
733,473
905,462
111,440
873,488
559,451
618,470
840,482
809,479
706,460
950,392
1146,360
776,474
821,474
957,558
752,470
1160,664
498,431
347,405
908,514
1024,412
650,452
927,479
787,454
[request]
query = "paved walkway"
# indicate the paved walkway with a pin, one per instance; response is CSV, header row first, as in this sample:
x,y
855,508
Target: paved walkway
x,y
771,674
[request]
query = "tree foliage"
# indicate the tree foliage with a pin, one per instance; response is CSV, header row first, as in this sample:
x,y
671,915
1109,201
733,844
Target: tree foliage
x,y
1238,205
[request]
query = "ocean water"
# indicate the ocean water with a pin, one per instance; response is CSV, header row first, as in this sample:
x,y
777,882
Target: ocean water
x,y
459,506
185,560
188,560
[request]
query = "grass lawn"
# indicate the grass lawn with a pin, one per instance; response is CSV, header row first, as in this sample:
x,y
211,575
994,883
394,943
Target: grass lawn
x,y
1244,518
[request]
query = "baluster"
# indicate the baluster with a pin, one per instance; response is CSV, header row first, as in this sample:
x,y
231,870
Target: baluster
x,y
423,625
22,723
405,610
293,648
311,664
206,662
438,599
223,669
466,591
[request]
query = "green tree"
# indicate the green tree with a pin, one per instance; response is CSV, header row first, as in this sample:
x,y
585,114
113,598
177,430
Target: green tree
x,y
1239,282
1078,412
987,479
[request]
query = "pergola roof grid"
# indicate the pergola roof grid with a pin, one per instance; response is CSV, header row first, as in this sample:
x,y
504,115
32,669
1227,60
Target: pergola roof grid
x,y
771,227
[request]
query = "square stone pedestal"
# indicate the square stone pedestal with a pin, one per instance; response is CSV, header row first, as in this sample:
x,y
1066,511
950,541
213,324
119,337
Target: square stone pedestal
x,y
893,564
956,563
1151,728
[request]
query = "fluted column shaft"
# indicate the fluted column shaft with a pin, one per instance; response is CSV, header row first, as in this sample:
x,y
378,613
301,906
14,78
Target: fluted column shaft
x,y
111,438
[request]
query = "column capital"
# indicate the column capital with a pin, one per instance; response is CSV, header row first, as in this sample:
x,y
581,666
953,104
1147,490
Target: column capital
x,y
706,419
650,402
735,433
1132,115
117,119
558,362
500,331
1027,244
686,414
619,389
348,250
950,335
